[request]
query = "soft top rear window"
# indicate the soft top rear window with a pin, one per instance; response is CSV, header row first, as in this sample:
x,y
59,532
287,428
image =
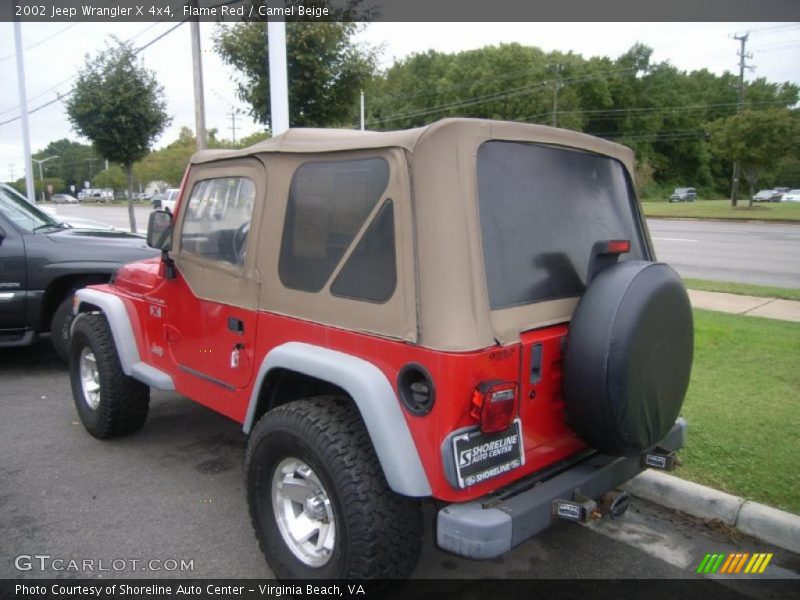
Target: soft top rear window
x,y
541,210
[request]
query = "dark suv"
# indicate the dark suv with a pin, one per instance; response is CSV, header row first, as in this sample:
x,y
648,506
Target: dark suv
x,y
43,261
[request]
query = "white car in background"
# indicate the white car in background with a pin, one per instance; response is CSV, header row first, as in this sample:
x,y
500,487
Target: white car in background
x,y
791,196
167,201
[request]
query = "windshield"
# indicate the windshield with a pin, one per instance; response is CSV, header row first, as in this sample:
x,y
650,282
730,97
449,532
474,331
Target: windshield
x,y
22,213
542,208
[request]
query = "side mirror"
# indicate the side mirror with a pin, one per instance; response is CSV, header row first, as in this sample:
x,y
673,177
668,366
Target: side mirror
x,y
159,230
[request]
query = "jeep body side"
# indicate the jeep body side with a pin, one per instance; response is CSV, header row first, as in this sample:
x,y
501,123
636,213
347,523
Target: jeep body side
x,y
425,279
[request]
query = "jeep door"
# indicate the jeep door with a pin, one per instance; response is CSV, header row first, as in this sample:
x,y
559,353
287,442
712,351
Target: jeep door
x,y
211,321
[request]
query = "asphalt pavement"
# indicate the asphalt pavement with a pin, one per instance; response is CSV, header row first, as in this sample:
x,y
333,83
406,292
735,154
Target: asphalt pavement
x,y
742,252
175,492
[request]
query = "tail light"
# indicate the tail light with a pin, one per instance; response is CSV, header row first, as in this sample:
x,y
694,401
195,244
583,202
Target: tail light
x,y
494,404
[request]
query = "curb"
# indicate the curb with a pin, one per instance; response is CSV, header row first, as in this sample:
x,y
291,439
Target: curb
x,y
768,524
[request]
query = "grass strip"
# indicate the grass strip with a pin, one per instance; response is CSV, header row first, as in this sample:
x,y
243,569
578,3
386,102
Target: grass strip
x,y
722,209
743,408
745,289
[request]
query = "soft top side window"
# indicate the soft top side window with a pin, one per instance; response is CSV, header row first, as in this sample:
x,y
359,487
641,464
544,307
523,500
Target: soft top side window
x,y
328,205
217,219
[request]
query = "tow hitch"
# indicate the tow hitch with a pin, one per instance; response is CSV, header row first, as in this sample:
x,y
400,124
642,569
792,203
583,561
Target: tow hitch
x,y
582,509
658,458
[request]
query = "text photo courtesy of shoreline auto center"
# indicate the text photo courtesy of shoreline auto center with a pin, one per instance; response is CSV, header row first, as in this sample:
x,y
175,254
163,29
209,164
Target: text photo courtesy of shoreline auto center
x,y
358,299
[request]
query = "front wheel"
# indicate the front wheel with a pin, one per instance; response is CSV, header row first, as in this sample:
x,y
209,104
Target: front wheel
x,y
109,403
318,498
60,326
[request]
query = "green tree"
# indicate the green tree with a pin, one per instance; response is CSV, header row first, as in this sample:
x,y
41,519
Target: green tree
x,y
75,164
112,177
118,104
169,163
326,69
758,139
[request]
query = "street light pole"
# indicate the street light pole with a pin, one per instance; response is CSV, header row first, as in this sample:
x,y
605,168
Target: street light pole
x,y
41,176
23,107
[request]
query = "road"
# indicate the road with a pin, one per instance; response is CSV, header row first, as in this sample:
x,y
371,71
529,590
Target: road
x,y
749,252
175,490
760,253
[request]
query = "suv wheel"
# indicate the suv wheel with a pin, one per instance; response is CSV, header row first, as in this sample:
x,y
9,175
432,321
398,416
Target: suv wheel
x,y
59,327
109,402
318,499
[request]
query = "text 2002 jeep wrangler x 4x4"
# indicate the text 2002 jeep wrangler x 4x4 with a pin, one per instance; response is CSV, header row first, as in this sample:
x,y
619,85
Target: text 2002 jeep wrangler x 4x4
x,y
468,312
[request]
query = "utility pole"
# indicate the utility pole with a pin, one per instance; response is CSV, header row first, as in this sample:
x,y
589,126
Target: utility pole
x,y
197,78
362,110
91,169
556,85
739,108
232,115
278,78
23,107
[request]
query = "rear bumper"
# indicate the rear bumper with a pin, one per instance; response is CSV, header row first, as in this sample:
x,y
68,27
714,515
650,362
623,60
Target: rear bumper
x,y
492,526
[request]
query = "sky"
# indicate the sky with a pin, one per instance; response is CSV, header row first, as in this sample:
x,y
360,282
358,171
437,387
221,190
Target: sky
x,y
53,52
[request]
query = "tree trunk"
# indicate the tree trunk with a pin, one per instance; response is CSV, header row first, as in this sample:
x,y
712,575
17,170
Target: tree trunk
x,y
131,213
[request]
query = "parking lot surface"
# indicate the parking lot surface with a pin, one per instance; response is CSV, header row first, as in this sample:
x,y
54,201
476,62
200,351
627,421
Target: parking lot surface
x,y
174,492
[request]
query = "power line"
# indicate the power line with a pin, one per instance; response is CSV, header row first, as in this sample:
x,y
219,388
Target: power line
x,y
42,41
616,112
67,94
782,26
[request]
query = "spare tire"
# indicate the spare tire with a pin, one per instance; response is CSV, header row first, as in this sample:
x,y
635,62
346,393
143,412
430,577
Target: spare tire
x,y
628,357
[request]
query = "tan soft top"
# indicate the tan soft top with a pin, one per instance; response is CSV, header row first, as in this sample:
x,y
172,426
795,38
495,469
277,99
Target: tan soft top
x,y
336,140
445,298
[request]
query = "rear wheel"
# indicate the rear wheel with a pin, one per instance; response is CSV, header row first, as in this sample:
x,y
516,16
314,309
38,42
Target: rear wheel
x,y
318,499
109,403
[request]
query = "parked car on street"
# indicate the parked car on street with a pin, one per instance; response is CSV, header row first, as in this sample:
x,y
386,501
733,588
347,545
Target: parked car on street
x,y
63,199
791,196
683,194
43,261
302,290
767,196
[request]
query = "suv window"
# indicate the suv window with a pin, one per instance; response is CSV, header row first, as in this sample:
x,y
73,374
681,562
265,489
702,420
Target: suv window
x,y
217,219
328,205
541,210
26,216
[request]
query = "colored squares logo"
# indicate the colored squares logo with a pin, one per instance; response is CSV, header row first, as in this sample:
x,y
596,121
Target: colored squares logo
x,y
734,564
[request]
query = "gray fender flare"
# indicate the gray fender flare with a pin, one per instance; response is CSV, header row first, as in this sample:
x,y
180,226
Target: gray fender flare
x,y
375,399
124,340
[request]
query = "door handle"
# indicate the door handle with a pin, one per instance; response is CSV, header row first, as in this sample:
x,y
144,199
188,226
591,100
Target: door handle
x,y
236,325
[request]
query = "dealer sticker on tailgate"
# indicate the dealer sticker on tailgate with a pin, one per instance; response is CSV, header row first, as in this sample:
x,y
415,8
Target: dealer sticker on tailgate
x,y
480,456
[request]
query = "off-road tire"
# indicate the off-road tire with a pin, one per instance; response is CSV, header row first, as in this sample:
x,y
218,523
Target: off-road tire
x,y
378,532
59,327
123,402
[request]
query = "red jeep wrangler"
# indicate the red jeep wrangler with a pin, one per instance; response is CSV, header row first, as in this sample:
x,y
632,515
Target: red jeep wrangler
x,y
468,311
